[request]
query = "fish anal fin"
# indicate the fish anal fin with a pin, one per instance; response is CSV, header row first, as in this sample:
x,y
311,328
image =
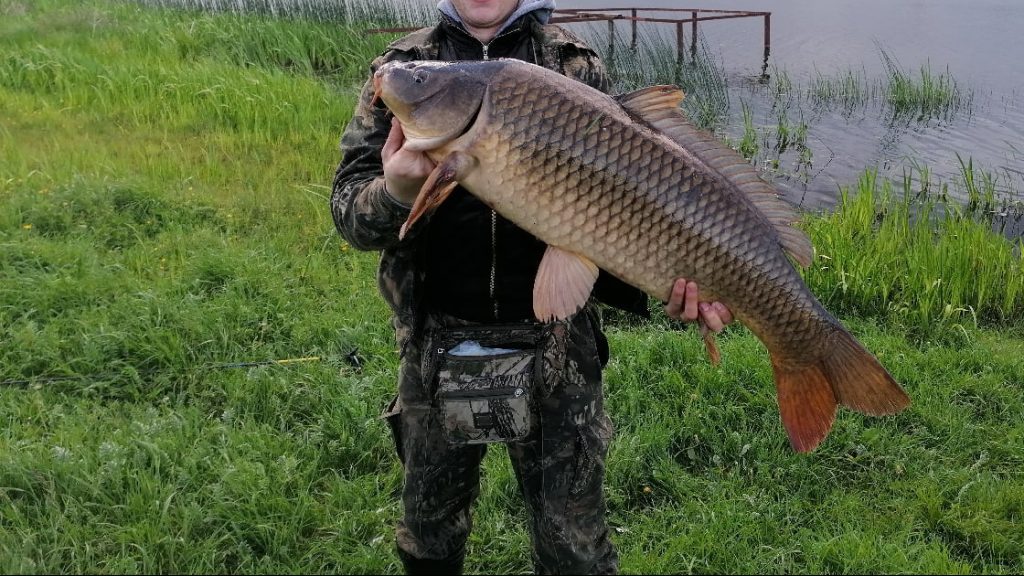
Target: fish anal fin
x,y
709,343
563,284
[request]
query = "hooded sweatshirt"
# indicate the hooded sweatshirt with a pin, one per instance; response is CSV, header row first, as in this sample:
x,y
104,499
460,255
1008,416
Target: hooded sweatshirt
x,y
541,8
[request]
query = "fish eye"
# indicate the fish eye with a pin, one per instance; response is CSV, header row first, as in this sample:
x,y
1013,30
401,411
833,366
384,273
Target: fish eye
x,y
420,76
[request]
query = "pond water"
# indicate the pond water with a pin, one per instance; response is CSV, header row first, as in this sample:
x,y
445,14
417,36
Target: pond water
x,y
975,43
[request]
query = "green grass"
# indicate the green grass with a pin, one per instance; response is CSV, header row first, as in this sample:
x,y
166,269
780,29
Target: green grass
x,y
920,263
163,212
384,13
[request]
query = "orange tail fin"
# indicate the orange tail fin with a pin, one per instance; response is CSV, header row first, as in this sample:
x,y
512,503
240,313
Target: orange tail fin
x,y
849,375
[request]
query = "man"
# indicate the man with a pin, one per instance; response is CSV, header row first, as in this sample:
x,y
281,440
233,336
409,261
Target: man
x,y
468,266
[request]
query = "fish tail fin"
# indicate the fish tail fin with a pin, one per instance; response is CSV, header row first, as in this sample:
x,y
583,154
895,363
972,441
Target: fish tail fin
x,y
847,375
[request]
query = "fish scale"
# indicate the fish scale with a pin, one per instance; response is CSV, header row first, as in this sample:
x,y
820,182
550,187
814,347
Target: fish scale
x,y
630,186
661,189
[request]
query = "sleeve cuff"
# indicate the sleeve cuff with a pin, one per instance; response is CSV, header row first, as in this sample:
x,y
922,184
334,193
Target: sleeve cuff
x,y
395,201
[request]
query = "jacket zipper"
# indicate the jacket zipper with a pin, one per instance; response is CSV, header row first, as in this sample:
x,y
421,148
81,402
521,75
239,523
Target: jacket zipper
x,y
494,225
494,215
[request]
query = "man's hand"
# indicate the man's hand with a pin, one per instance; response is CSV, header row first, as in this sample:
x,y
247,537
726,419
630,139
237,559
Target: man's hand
x,y
683,304
405,171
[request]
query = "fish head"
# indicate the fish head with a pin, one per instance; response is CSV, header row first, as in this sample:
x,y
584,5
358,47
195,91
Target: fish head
x,y
436,102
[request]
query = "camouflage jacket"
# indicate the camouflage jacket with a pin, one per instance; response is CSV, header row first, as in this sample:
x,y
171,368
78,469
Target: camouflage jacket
x,y
369,218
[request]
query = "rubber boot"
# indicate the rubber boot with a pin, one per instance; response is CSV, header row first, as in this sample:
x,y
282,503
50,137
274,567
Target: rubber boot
x,y
426,566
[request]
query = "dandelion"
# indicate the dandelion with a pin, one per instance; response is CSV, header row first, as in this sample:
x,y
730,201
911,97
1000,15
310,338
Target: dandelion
x,y
26,226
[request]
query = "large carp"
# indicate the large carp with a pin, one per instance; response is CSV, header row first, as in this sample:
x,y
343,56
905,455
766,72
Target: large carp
x,y
628,185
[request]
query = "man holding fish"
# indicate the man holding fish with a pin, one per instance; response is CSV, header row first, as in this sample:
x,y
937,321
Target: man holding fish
x,y
466,278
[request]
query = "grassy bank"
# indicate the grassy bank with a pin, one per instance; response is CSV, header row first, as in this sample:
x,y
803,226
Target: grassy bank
x,y
163,216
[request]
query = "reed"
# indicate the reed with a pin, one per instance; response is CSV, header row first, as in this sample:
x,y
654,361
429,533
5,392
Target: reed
x,y
924,95
748,146
655,60
848,90
903,95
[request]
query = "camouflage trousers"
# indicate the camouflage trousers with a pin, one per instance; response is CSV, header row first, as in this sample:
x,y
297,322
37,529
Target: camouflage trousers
x,y
559,465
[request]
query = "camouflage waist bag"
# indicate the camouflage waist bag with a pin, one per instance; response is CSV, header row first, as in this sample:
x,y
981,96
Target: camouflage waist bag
x,y
485,392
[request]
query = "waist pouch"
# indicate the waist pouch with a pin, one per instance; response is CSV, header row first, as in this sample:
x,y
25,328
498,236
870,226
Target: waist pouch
x,y
485,398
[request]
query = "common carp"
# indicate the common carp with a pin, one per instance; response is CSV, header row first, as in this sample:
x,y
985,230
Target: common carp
x,y
628,185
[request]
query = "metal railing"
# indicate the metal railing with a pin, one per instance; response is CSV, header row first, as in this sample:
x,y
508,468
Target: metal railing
x,y
635,15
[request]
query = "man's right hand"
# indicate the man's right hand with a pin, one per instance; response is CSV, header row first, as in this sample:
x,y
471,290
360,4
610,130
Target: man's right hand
x,y
405,171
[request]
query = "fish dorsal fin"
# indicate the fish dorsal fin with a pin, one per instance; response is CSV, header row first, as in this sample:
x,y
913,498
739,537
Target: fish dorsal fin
x,y
563,284
651,99
658,106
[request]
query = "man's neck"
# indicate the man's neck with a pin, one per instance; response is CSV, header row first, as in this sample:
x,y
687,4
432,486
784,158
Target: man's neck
x,y
484,35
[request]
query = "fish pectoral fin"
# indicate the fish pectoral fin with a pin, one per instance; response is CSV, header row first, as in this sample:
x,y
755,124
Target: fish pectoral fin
x,y
563,284
439,185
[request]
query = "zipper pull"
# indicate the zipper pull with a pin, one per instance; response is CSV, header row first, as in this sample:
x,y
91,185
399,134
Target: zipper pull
x,y
486,46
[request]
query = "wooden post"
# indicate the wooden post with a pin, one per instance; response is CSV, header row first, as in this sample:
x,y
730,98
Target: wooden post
x,y
767,42
679,43
611,39
693,37
633,22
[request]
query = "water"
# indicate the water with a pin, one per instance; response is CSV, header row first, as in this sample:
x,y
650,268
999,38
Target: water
x,y
976,43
